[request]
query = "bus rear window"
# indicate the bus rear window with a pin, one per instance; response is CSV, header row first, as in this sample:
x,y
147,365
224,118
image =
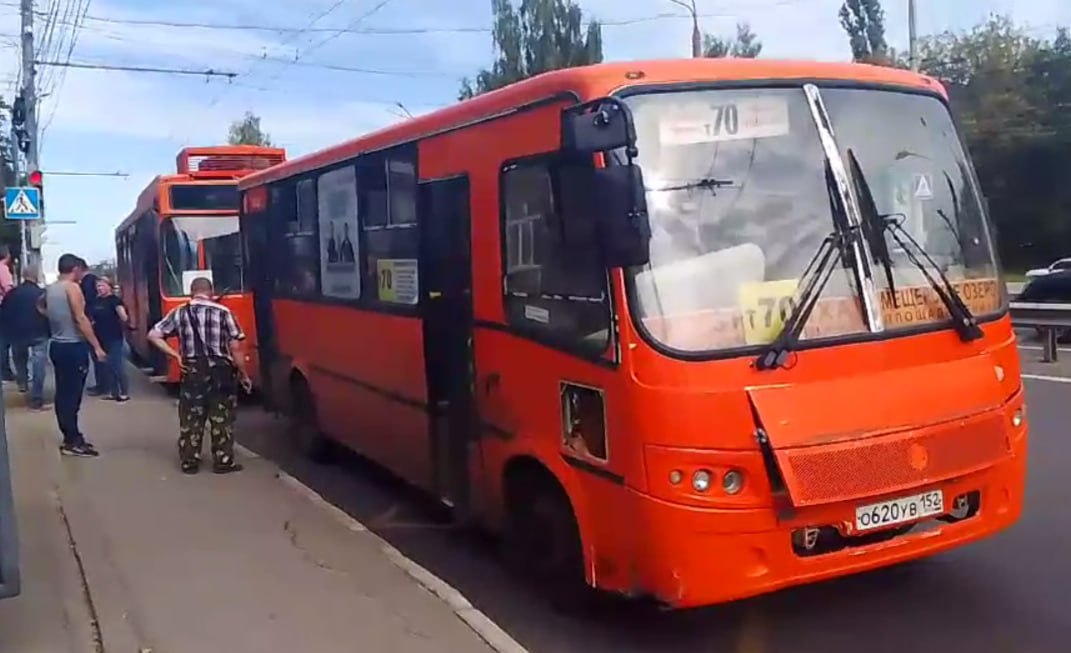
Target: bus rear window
x,y
204,197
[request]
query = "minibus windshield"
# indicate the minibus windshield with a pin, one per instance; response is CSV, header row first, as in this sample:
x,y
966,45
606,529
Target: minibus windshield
x,y
739,202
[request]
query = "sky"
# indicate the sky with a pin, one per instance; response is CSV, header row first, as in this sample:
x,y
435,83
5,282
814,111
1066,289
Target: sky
x,y
134,123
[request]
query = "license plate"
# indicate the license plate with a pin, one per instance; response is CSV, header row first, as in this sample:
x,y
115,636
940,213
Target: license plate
x,y
899,511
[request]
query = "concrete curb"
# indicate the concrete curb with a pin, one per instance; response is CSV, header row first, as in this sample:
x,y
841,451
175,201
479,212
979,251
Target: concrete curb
x,y
481,624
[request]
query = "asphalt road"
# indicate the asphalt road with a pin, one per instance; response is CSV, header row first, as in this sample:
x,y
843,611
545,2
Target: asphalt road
x,y
1008,594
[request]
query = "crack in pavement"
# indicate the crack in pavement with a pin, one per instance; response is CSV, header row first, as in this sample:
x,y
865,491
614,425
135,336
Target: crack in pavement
x,y
87,595
289,529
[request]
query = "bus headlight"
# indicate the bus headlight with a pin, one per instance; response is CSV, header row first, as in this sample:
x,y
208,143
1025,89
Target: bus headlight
x,y
701,480
1017,419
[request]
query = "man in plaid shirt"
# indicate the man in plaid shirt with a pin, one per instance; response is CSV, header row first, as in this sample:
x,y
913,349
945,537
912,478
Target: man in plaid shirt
x,y
212,364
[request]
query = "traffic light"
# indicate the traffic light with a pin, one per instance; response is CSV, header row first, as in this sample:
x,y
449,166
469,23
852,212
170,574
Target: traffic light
x,y
37,180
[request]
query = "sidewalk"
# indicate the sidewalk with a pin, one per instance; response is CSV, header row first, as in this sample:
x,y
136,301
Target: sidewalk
x,y
176,564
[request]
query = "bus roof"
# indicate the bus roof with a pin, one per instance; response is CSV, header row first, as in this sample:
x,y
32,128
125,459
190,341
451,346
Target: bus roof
x,y
227,160
213,164
591,82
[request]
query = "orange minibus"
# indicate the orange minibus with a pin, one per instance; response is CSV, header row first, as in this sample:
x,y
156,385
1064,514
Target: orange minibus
x,y
686,330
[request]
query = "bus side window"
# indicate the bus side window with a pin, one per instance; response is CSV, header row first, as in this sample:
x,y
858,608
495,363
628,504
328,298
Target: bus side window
x,y
295,264
552,291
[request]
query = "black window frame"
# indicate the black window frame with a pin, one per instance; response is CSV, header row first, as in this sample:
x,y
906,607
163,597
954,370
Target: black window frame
x,y
369,297
400,237
609,352
281,237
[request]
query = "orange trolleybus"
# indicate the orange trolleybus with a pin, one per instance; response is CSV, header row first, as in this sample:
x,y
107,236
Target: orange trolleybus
x,y
185,225
692,330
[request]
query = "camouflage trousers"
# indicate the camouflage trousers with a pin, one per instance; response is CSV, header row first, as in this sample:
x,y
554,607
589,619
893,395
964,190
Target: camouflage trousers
x,y
208,397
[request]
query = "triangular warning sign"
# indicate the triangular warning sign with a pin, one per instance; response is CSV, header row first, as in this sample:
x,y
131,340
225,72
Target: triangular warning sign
x,y
22,205
922,188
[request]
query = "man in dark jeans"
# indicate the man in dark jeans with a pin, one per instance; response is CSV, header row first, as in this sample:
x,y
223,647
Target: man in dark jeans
x,y
27,331
72,339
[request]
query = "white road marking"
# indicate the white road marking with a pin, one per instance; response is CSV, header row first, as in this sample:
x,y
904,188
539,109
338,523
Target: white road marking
x,y
1042,377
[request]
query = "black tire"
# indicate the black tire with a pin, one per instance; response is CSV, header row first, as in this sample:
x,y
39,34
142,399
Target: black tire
x,y
305,433
541,542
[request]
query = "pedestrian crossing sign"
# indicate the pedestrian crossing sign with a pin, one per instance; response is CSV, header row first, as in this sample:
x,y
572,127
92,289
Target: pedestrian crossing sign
x,y
22,203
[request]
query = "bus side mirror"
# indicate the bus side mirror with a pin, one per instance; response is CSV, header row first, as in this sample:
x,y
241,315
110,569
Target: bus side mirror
x,y
597,126
605,210
621,206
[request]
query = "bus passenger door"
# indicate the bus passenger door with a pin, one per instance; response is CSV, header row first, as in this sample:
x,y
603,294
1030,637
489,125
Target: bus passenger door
x,y
254,234
446,304
148,228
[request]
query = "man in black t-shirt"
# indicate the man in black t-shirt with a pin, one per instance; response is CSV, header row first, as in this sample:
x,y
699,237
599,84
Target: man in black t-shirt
x,y
88,284
110,320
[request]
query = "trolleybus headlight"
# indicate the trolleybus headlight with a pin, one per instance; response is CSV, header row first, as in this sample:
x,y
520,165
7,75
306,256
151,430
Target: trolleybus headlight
x,y
676,476
701,481
1017,419
732,482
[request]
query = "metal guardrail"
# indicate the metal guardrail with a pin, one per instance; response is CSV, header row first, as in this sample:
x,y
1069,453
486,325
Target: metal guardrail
x,y
1050,319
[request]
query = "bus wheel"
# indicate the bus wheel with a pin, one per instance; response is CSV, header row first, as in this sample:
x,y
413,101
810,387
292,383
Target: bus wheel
x,y
542,541
305,431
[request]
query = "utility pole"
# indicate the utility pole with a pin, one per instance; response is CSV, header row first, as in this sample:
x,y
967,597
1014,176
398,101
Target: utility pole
x,y
15,180
912,36
697,36
29,95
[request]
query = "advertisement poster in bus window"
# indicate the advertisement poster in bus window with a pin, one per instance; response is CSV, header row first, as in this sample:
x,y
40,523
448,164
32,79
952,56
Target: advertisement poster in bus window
x,y
339,240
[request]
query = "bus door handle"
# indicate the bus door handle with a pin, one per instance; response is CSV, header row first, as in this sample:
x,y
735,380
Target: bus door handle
x,y
491,382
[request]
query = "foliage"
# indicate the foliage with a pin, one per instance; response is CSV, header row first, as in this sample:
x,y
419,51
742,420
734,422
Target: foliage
x,y
745,44
536,37
1011,94
247,131
864,21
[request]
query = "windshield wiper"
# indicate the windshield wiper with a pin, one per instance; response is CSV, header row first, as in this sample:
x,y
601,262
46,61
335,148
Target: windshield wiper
x,y
813,281
963,321
873,225
706,182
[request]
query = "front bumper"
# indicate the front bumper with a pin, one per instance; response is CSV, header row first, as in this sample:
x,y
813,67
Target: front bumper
x,y
698,556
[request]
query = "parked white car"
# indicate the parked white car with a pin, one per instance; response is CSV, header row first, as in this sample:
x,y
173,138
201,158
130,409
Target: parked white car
x,y
1055,266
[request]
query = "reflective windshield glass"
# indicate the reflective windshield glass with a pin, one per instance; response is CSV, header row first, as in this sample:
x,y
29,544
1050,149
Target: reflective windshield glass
x,y
739,203
919,176
203,245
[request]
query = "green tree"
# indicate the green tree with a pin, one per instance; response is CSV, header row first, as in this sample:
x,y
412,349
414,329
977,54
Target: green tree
x,y
745,45
1010,92
864,21
247,131
533,38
